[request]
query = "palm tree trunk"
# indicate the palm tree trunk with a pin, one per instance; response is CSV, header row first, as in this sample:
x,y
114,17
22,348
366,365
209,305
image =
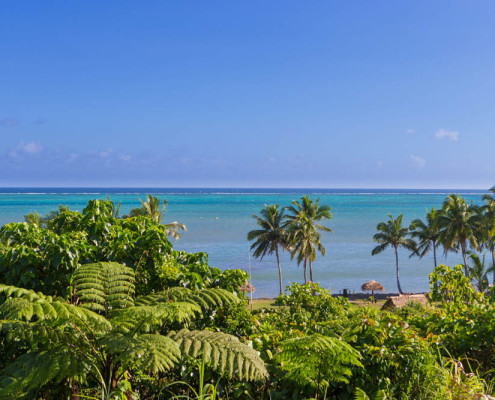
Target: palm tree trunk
x,y
397,270
279,269
435,253
466,269
311,271
493,263
305,279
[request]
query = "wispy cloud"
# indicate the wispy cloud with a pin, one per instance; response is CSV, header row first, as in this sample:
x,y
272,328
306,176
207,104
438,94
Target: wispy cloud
x,y
9,121
410,131
445,134
418,162
23,148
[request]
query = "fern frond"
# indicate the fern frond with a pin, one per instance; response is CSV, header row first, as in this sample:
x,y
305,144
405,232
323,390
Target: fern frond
x,y
149,318
206,298
35,369
226,353
150,352
313,357
45,308
37,333
104,286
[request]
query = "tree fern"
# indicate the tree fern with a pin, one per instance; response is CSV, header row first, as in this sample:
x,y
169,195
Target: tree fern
x,y
107,332
104,286
206,298
226,353
149,352
317,360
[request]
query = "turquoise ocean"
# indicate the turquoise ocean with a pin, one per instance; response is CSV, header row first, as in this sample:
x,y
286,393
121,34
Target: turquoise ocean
x,y
218,221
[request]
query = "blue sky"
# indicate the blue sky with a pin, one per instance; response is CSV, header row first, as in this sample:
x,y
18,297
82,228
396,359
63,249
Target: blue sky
x,y
247,93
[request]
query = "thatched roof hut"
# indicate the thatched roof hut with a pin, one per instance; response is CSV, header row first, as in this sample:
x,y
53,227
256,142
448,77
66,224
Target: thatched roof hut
x,y
403,300
373,286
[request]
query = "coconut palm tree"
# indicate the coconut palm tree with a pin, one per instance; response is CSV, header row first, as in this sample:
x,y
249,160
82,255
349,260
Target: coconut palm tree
x,y
459,226
427,234
393,234
479,272
303,228
151,208
270,236
488,222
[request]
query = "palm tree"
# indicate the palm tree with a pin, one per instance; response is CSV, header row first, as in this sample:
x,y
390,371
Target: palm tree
x,y
459,225
303,227
489,225
35,219
151,208
393,234
270,236
478,271
427,234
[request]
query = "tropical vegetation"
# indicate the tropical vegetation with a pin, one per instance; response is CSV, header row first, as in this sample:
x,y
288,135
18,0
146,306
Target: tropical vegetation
x,y
97,306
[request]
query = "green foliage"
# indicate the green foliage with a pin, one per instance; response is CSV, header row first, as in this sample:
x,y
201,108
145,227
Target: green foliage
x,y
224,352
317,361
309,303
44,258
64,341
452,287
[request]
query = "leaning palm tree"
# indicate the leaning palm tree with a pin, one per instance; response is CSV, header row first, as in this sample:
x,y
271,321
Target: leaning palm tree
x,y
151,208
393,234
270,236
479,272
303,228
459,226
427,234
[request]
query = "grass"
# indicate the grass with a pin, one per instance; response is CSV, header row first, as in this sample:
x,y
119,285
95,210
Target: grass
x,y
270,303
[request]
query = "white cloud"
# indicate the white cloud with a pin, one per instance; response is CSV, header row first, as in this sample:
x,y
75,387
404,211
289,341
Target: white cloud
x,y
445,134
410,131
418,162
124,157
24,148
31,147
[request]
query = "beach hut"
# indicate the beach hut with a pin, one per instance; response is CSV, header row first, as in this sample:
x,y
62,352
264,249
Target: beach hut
x,y
373,285
401,301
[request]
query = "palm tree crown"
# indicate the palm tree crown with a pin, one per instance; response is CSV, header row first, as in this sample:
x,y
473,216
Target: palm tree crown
x,y
151,208
393,234
459,225
303,228
270,236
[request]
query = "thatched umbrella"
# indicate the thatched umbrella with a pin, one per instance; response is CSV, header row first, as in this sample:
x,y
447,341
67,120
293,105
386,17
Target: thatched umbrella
x,y
247,288
373,285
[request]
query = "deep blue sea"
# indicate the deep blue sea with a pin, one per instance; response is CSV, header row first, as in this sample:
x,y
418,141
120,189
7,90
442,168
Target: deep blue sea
x,y
218,221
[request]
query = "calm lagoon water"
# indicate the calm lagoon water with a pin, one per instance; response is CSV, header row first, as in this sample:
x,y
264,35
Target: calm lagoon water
x,y
218,221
